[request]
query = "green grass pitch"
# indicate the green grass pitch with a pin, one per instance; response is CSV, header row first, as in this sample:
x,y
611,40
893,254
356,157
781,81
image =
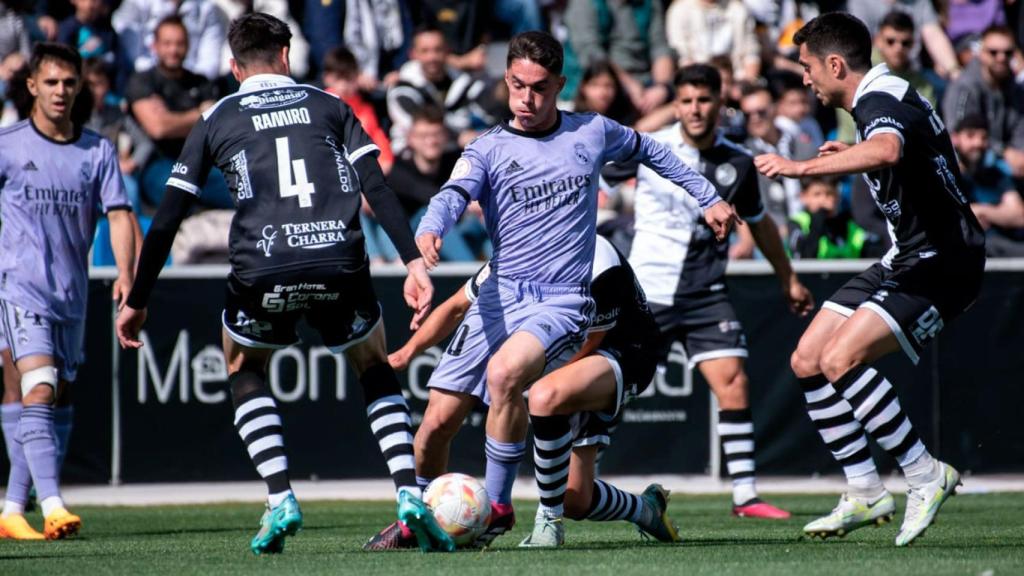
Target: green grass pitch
x,y
975,534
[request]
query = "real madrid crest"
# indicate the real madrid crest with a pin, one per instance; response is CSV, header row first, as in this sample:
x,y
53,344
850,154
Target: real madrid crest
x,y
581,155
725,174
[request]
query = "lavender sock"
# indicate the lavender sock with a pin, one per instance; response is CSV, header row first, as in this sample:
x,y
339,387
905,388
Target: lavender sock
x,y
19,481
36,432
503,460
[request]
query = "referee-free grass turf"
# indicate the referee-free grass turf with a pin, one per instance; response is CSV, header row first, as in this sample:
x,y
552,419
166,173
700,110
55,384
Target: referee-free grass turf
x,y
975,534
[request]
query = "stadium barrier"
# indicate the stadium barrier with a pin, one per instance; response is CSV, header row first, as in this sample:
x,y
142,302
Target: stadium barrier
x,y
164,413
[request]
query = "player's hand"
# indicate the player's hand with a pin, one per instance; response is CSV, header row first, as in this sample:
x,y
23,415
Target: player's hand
x,y
418,292
721,217
119,294
832,147
430,247
129,323
772,165
801,301
399,359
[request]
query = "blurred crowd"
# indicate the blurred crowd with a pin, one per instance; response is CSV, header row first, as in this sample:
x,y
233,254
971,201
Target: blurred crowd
x,y
425,76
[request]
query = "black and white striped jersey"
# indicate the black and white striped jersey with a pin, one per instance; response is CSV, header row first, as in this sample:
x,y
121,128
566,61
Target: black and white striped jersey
x,y
926,212
287,152
674,253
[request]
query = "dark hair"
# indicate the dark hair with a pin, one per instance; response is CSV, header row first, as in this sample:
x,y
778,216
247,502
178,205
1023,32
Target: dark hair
x,y
53,51
428,28
621,108
722,63
838,33
172,20
18,94
829,181
751,88
340,60
972,122
897,20
783,81
430,114
257,38
701,75
998,29
95,65
538,47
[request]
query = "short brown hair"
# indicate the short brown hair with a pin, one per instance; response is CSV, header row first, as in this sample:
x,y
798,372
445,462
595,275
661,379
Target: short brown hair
x,y
538,47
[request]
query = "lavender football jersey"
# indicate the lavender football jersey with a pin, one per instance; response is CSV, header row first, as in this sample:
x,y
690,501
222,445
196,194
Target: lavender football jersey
x,y
538,192
51,194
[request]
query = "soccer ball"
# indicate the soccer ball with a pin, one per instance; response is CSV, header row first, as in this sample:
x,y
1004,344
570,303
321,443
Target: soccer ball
x,y
461,506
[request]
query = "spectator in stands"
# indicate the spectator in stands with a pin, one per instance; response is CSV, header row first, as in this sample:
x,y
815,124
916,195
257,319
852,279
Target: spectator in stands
x,y
821,229
987,88
298,49
419,173
600,91
926,26
322,23
699,30
376,32
136,22
166,101
781,196
426,79
794,114
464,24
988,186
341,78
894,44
13,36
109,119
89,31
972,17
631,35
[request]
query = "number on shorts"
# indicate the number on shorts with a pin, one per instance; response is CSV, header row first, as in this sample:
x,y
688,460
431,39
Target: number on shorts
x,y
455,347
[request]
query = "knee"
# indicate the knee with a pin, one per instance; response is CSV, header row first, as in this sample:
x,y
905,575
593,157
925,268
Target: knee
x,y
577,504
246,381
436,429
836,360
803,363
544,400
504,380
39,385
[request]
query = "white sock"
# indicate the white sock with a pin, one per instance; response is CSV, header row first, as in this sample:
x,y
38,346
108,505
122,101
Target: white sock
x,y
12,508
550,511
923,470
50,504
275,500
867,487
743,493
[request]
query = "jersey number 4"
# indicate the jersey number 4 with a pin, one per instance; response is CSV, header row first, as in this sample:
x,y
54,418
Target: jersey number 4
x,y
301,186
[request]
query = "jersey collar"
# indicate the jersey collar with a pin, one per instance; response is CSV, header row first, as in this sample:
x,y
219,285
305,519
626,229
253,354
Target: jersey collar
x,y
507,126
263,81
874,74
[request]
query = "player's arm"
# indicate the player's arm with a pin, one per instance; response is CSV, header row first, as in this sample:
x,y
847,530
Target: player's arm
x,y
467,181
625,144
438,326
880,151
123,227
766,236
590,345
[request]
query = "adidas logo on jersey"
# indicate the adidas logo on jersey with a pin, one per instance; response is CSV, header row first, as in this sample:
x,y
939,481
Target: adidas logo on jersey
x,y
31,166
513,168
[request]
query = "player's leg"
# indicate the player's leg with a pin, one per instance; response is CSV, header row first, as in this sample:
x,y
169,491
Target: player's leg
x,y
871,333
519,361
442,419
728,381
19,481
258,423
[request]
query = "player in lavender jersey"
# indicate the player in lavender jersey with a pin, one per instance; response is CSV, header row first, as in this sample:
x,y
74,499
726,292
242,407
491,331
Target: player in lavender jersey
x,y
536,179
55,181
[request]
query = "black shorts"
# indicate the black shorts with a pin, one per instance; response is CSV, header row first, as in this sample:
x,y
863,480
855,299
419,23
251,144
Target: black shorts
x,y
707,329
342,307
915,301
634,368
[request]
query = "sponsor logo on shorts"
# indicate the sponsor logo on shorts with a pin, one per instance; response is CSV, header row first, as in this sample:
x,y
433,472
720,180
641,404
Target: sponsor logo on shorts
x,y
546,328
250,326
272,99
880,296
927,326
726,326
290,297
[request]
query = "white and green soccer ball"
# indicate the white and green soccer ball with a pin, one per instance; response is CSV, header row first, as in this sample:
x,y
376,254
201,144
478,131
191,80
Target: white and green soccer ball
x,y
461,506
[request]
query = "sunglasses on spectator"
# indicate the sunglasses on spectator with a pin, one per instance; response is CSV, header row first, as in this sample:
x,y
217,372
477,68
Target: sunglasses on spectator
x,y
993,52
894,41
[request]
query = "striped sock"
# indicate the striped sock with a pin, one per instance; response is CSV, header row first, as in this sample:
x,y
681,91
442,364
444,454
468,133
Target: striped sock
x,y
391,424
833,416
877,408
552,439
608,503
736,429
20,480
503,460
259,426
